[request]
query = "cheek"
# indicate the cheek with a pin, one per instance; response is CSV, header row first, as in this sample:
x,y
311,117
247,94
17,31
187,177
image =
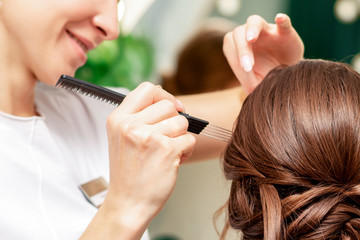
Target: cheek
x,y
34,45
36,31
26,26
53,61
75,10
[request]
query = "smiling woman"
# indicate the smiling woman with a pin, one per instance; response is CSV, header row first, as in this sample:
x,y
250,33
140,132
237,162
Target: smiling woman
x,y
47,134
48,42
54,141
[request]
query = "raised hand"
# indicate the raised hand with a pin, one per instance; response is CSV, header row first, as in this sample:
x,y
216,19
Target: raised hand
x,y
253,49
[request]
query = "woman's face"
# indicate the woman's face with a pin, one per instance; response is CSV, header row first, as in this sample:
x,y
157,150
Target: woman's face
x,y
47,38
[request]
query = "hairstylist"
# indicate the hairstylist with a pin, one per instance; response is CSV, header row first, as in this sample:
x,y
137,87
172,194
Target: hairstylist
x,y
53,140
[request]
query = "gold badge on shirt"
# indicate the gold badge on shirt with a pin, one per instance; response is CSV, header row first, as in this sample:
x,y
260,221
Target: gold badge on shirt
x,y
95,191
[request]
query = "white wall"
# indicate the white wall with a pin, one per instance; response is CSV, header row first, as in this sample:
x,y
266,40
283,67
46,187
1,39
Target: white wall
x,y
199,193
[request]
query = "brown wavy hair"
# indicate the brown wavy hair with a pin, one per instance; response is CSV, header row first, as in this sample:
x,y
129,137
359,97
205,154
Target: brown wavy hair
x,y
294,159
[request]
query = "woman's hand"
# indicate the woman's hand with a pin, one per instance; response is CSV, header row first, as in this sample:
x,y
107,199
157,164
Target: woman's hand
x,y
148,141
253,49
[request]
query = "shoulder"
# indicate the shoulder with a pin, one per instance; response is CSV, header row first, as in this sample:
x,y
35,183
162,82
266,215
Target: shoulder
x,y
68,113
76,122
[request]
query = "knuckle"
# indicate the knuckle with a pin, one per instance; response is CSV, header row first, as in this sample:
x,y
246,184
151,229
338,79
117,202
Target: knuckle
x,y
153,138
184,123
146,85
120,124
227,37
168,105
127,127
239,29
164,143
137,134
227,43
239,33
112,121
190,143
253,17
192,139
177,125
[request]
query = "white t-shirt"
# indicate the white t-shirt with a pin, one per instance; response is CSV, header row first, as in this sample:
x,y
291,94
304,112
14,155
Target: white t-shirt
x,y
43,160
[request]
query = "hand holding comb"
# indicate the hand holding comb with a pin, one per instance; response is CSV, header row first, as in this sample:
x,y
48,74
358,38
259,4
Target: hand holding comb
x,y
196,125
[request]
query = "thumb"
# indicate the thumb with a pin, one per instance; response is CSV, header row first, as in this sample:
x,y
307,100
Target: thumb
x,y
187,143
283,23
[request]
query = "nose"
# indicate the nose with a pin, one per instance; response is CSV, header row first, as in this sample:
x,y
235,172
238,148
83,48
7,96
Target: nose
x,y
106,21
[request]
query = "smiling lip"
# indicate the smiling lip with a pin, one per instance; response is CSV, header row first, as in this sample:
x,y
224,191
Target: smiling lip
x,y
85,44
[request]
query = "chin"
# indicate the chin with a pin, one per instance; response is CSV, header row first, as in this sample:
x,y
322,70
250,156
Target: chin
x,y
49,79
51,75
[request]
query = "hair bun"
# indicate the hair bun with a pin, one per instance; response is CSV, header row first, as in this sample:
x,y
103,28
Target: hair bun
x,y
323,212
294,158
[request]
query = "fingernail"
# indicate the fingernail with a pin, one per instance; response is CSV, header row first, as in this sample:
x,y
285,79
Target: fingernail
x,y
250,35
279,15
181,105
246,63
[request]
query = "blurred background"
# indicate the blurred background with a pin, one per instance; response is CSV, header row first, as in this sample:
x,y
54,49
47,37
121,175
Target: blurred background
x,y
177,43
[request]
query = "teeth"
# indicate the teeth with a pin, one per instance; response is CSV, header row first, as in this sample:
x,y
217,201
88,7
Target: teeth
x,y
78,42
81,44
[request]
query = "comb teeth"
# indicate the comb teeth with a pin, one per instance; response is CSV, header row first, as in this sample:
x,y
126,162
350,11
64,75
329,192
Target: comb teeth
x,y
217,132
196,125
88,93
89,89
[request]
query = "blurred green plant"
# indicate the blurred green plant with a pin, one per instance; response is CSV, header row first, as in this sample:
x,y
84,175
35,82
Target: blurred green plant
x,y
124,62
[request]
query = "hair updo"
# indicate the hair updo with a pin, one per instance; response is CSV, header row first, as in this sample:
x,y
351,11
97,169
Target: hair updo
x,y
294,159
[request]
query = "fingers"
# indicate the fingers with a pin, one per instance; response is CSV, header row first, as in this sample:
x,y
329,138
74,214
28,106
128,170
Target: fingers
x,y
145,95
173,127
254,25
170,127
160,118
230,51
238,52
243,38
147,110
240,58
283,23
243,48
157,112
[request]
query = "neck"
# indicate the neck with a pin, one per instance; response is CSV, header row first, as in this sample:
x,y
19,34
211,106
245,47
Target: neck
x,y
17,95
17,86
17,83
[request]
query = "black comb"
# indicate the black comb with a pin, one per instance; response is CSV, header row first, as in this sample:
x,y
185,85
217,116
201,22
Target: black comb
x,y
196,125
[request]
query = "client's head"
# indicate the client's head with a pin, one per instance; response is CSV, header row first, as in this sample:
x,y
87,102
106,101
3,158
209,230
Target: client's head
x,y
294,159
